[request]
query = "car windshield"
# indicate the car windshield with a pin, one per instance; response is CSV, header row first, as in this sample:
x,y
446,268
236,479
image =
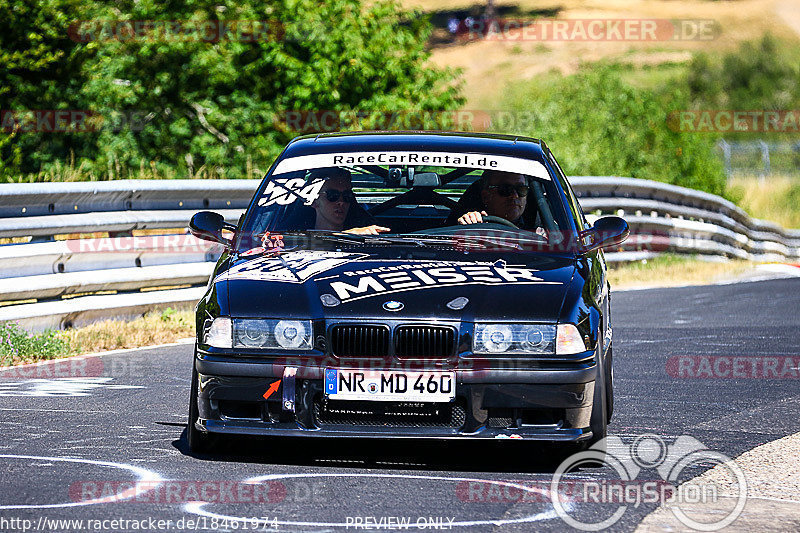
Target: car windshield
x,y
421,198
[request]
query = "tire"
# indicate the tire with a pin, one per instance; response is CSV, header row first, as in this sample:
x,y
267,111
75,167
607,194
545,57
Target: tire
x,y
599,419
199,441
610,382
598,426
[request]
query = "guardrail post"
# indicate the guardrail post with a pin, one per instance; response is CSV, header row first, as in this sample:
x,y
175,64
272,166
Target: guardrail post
x,y
726,154
765,158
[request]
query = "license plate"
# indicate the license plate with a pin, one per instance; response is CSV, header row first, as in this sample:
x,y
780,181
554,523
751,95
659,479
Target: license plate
x,y
386,385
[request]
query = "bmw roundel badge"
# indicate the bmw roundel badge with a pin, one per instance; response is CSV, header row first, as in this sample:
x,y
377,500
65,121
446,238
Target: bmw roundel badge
x,y
392,305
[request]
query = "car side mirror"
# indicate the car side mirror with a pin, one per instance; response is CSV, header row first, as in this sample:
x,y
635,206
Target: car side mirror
x,y
209,226
607,231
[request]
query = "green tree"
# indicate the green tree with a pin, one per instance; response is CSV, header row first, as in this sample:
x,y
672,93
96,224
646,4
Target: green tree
x,y
173,102
758,76
41,71
219,104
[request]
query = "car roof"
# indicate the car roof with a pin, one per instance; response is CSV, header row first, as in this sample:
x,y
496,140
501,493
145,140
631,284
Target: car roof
x,y
463,142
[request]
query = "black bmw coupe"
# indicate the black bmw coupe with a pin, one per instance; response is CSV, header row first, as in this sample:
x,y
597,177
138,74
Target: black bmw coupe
x,y
407,284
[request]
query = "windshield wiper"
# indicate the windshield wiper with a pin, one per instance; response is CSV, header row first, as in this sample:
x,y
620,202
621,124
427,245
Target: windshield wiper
x,y
514,244
422,240
338,236
402,240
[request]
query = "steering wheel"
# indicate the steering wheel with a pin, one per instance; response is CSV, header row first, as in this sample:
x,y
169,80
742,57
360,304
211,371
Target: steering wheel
x,y
491,219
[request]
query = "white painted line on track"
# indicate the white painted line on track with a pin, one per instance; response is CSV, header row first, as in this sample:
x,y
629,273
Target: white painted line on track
x,y
52,410
198,507
61,387
148,480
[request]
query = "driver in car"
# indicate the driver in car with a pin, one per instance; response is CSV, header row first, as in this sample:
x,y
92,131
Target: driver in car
x,y
504,195
336,206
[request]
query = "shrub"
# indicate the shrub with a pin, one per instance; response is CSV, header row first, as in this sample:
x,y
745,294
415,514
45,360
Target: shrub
x,y
20,346
597,124
201,107
762,75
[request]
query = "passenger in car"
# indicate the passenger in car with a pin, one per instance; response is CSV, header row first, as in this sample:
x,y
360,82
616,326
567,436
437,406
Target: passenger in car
x,y
336,206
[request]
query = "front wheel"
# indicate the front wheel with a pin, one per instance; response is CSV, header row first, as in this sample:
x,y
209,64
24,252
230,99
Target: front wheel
x,y
599,419
199,441
610,382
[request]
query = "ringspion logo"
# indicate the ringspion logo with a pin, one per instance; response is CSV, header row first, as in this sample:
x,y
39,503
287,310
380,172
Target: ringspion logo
x,y
669,461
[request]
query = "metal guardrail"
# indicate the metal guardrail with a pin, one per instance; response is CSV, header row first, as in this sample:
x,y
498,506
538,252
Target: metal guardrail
x,y
55,283
683,220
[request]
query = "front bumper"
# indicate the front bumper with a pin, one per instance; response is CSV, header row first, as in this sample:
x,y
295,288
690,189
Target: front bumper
x,y
544,405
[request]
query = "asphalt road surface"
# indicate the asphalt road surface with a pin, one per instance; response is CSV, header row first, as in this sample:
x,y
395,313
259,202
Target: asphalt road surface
x,y
76,437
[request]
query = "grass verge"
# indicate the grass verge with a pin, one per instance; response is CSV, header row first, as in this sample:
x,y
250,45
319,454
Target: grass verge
x,y
774,198
18,346
156,327
668,270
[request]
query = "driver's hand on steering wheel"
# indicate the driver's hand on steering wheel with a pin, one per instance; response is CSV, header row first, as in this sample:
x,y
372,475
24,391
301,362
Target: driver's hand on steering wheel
x,y
473,217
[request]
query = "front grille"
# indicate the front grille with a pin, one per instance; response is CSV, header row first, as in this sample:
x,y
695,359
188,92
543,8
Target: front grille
x,y
360,341
500,418
424,342
390,414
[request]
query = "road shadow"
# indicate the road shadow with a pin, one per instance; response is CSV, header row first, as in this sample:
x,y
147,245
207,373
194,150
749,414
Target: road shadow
x,y
507,456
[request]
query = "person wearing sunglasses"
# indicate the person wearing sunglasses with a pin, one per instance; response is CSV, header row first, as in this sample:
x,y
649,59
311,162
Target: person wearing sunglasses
x,y
503,194
336,206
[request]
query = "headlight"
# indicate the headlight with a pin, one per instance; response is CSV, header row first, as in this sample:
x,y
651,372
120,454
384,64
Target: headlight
x,y
251,333
274,334
293,334
569,340
530,339
219,333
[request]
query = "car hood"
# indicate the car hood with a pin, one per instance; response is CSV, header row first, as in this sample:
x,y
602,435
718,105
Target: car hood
x,y
353,285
